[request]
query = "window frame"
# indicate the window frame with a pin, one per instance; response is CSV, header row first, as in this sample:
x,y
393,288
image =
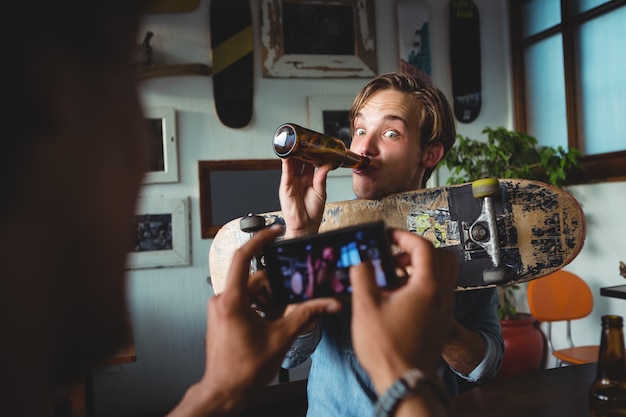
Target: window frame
x,y
599,167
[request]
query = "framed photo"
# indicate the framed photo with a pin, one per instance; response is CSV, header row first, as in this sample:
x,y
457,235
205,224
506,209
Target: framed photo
x,y
235,188
164,142
329,115
160,233
318,38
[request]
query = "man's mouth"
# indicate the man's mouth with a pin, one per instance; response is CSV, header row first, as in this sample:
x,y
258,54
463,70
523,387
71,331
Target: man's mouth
x,y
364,171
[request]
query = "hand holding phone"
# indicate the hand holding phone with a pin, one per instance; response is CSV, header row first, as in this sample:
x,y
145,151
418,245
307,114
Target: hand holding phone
x,y
318,266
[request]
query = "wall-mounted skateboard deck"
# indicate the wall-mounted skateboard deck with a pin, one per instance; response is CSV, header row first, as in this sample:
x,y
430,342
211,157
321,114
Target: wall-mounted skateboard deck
x,y
465,60
414,39
232,43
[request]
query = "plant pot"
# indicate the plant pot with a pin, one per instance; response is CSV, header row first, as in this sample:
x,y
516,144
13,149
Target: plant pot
x,y
525,346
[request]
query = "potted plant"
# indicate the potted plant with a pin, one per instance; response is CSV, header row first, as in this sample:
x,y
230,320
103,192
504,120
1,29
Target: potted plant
x,y
510,154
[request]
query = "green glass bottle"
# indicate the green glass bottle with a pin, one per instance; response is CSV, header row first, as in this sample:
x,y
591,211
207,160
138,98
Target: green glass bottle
x,y
607,394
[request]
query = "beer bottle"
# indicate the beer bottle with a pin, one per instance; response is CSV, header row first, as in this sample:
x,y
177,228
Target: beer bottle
x,y
293,141
607,395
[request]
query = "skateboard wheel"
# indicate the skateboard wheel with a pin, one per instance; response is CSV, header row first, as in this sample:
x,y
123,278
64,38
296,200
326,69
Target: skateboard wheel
x,y
486,187
252,223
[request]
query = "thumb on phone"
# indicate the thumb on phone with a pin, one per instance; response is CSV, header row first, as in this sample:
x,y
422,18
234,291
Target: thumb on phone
x,y
363,282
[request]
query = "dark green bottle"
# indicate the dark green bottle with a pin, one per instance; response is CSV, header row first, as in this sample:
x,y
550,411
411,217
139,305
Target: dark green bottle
x,y
607,394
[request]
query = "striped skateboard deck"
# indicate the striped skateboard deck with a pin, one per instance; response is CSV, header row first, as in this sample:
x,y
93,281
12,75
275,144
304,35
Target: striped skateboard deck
x,y
232,41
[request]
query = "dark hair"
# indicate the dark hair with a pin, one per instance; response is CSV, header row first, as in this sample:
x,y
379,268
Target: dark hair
x,y
44,36
435,116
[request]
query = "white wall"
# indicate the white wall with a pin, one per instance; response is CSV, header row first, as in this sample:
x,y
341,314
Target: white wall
x,y
168,305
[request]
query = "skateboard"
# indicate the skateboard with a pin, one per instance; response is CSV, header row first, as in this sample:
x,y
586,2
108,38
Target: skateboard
x,y
465,59
414,39
503,231
232,45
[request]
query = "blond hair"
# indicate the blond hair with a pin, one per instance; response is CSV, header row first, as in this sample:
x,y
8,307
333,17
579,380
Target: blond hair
x,y
434,114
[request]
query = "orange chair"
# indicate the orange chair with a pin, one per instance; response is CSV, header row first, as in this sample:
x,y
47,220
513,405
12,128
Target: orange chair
x,y
563,296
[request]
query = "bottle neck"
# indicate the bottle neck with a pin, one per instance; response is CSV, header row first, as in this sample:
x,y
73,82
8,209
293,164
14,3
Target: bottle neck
x,y
352,160
612,358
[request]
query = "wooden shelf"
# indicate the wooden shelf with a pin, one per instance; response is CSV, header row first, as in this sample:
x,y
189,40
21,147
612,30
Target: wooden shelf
x,y
145,72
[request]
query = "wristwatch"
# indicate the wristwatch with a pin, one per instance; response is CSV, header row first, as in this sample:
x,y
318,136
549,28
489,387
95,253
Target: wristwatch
x,y
406,386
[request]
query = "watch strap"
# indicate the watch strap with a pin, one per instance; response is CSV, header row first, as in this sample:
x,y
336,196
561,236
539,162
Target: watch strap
x,y
406,386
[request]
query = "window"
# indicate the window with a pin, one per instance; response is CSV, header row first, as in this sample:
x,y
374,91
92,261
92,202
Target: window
x,y
569,66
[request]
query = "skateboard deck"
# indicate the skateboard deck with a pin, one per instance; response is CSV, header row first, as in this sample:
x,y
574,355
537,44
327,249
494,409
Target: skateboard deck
x,y
465,60
414,39
232,46
538,229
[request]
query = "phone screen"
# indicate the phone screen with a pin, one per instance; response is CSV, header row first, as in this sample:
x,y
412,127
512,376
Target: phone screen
x,y
318,266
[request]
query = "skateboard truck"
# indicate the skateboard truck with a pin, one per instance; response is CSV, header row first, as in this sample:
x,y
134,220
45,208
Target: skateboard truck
x,y
484,231
250,224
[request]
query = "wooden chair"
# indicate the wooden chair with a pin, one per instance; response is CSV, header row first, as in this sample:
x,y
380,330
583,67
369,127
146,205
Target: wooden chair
x,y
563,296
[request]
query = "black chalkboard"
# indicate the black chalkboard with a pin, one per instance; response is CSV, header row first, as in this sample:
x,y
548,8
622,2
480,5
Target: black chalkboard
x,y
233,188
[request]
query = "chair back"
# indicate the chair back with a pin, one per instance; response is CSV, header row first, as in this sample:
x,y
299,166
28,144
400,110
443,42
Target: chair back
x,y
559,296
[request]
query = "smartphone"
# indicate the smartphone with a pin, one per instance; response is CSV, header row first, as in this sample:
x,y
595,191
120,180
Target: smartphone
x,y
318,266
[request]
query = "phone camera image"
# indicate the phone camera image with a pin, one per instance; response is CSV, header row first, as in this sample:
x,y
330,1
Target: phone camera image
x,y
318,266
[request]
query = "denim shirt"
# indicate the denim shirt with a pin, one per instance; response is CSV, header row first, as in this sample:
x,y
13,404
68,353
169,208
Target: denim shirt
x,y
338,385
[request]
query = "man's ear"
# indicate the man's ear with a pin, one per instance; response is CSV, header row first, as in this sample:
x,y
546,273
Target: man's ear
x,y
432,155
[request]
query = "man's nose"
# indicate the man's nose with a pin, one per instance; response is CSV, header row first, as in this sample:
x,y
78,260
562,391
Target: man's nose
x,y
365,144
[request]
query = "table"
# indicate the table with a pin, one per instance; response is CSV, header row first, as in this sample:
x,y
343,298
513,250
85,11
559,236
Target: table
x,y
618,291
546,393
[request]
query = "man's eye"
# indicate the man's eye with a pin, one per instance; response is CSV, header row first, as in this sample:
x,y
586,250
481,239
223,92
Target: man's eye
x,y
391,134
359,132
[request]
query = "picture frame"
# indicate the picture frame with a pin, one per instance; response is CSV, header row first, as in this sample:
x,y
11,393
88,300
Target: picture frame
x,y
318,38
161,233
329,115
234,188
164,140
